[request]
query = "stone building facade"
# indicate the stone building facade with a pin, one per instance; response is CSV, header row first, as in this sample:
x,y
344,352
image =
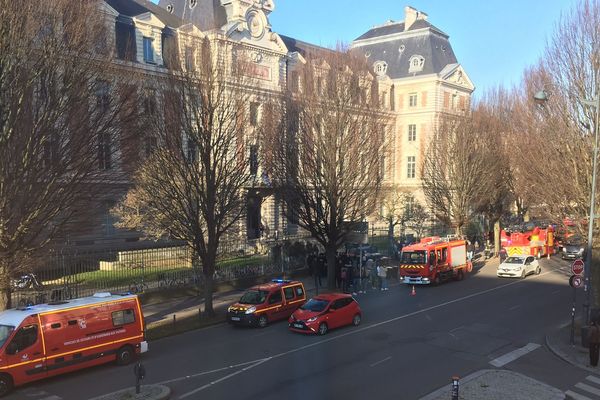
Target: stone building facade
x,y
419,78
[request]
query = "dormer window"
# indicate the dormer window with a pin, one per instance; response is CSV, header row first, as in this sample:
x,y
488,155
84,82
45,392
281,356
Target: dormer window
x,y
149,50
416,63
380,68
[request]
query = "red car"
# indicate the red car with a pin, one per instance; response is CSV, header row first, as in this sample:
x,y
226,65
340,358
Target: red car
x,y
325,312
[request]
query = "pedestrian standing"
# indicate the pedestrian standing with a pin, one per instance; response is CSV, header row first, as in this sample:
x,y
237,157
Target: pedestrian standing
x,y
502,255
339,264
594,343
469,250
382,274
369,267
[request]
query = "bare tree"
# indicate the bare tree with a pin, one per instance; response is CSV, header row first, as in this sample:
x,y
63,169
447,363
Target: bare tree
x,y
418,217
325,159
192,186
397,206
458,173
59,115
557,138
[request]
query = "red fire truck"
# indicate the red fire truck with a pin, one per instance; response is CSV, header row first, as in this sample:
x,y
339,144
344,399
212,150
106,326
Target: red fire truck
x,y
434,260
536,242
50,339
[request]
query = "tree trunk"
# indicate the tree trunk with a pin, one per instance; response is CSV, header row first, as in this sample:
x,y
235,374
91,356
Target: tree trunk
x,y
208,295
497,237
209,270
330,253
595,283
5,290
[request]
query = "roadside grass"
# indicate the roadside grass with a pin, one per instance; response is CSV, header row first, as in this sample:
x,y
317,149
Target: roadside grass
x,y
162,329
126,276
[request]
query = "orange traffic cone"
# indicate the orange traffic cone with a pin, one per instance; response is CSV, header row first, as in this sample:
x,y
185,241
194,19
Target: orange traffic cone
x,y
413,292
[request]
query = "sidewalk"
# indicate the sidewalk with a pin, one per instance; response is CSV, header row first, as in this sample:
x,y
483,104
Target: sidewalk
x,y
558,341
186,307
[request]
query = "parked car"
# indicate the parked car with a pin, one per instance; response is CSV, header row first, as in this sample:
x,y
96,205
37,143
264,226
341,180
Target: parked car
x,y
518,267
325,312
573,248
265,303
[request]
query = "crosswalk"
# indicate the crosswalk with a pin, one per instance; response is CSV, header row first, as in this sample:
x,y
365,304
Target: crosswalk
x,y
589,389
34,393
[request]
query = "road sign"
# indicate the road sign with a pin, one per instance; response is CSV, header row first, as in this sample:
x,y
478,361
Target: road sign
x,y
577,266
575,281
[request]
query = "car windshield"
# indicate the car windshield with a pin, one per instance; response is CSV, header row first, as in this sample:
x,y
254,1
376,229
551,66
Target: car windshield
x,y
5,331
513,260
254,297
316,305
413,257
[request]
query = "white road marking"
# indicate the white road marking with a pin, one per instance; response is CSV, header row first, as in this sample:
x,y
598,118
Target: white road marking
x,y
382,361
366,328
455,329
588,388
514,307
188,394
209,372
594,379
513,355
557,291
576,396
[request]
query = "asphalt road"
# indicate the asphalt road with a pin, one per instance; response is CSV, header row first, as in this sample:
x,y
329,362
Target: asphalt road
x,y
406,347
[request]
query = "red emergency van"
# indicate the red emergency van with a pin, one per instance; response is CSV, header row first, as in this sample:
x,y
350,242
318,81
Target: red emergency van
x,y
51,339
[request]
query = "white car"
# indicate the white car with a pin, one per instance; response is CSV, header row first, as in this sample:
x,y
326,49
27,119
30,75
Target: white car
x,y
519,267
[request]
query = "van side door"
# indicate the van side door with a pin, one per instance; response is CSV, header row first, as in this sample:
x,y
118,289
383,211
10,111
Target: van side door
x,y
24,353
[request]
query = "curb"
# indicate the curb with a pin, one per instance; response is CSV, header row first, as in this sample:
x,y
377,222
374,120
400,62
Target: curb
x,y
445,390
147,392
560,354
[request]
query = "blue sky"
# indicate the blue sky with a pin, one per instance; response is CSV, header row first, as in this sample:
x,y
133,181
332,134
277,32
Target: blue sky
x,y
495,40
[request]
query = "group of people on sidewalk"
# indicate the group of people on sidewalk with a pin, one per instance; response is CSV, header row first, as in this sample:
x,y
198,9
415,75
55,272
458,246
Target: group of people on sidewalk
x,y
351,274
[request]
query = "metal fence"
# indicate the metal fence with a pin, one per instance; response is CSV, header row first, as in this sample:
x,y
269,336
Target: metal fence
x,y
71,274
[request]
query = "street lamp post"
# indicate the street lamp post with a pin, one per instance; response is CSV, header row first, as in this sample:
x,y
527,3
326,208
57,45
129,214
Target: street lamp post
x,y
541,97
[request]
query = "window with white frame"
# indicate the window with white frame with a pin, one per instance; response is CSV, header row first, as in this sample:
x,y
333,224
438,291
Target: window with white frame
x,y
412,99
416,63
104,151
254,114
148,49
411,167
412,132
190,63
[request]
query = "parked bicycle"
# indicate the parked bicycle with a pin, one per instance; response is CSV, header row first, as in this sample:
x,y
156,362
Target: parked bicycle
x,y
166,280
27,281
138,287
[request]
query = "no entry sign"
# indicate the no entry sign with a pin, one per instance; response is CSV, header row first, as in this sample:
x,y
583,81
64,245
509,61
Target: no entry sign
x,y
576,281
577,266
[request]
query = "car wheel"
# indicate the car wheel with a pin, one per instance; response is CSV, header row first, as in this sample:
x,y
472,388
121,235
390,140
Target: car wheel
x,y
523,274
125,355
356,320
460,275
262,321
6,384
437,281
538,270
323,328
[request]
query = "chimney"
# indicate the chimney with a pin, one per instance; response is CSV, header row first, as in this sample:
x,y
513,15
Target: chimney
x,y
411,15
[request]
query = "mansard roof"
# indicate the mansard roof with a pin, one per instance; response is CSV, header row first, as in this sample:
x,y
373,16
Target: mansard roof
x,y
134,8
304,48
431,44
392,27
207,15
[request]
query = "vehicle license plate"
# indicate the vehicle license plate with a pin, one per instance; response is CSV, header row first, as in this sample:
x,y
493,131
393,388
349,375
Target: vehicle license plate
x,y
298,326
235,318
